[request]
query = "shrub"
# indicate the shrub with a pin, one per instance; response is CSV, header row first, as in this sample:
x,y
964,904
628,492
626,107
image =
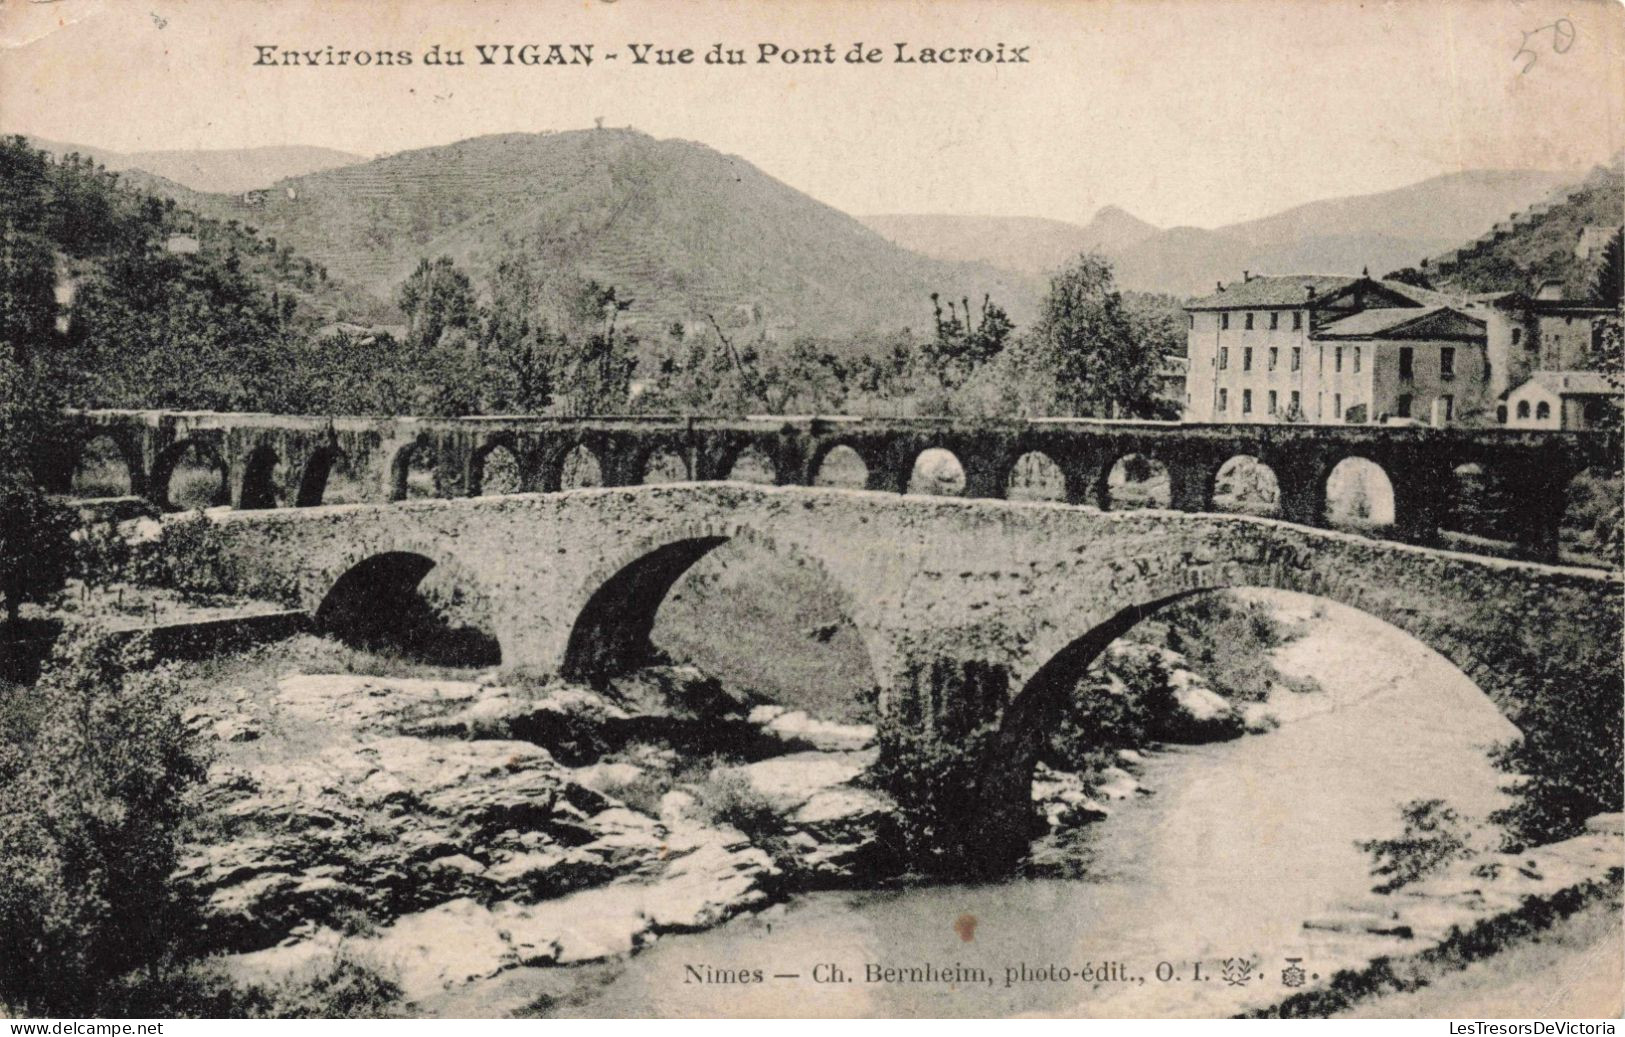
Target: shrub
x,y
189,556
728,797
935,782
1434,836
1227,640
95,795
36,546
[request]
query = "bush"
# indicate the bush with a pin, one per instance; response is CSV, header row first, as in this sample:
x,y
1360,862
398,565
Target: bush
x,y
728,797
1227,640
96,780
935,781
189,556
36,545
1434,836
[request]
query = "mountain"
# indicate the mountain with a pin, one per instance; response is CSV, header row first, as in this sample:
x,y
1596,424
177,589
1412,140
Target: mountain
x,y
1382,231
1032,245
229,171
1543,242
684,231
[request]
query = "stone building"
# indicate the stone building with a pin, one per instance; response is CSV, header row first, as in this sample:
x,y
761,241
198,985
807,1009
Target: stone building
x,y
1338,350
1335,350
1574,400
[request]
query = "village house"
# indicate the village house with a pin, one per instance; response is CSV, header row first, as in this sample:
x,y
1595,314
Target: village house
x,y
1342,350
1565,400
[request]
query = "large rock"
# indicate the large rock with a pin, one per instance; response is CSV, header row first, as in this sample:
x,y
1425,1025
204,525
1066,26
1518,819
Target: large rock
x,y
796,730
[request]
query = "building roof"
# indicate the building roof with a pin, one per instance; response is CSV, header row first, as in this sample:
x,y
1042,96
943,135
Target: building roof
x,y
1260,291
1574,383
1411,322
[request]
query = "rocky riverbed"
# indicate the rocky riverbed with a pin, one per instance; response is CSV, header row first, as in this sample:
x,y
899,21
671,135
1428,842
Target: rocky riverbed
x,y
453,829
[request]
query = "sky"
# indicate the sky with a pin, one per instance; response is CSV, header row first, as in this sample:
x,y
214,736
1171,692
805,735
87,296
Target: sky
x,y
1180,111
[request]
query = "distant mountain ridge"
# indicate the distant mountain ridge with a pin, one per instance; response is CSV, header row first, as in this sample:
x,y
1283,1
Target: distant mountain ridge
x,y
1382,231
684,231
1029,244
223,170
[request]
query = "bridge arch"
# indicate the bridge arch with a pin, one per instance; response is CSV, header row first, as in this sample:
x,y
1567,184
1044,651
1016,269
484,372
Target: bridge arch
x,y
750,463
1043,679
497,467
259,490
411,470
318,469
615,609
1358,492
663,464
1035,475
107,464
215,492
1135,479
376,602
841,464
1245,484
936,471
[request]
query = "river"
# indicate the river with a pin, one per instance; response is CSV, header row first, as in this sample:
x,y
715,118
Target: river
x,y
1240,843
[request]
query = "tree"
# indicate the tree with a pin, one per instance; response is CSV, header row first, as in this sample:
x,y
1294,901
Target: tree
x,y
437,296
595,362
959,348
1610,279
36,550
96,775
1101,367
1416,277
27,293
516,341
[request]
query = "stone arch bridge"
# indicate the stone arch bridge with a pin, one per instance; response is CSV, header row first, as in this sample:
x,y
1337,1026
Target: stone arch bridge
x,y
965,608
267,461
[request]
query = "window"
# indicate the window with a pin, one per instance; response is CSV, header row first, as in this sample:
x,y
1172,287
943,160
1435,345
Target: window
x,y
1224,321
1294,405
1543,410
1224,399
1523,408
1247,401
1337,359
1517,335
1297,320
1247,359
1224,358
1407,363
1275,357
1275,320
1297,357
1190,320
1447,362
1501,414
1446,409
1271,403
1249,320
1356,359
1337,406
1402,405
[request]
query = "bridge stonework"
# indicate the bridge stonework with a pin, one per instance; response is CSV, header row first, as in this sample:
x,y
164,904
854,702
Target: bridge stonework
x,y
274,460
1020,597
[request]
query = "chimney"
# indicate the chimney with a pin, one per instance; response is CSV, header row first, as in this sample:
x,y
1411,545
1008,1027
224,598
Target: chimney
x,y
1220,284
1365,271
1309,290
1246,275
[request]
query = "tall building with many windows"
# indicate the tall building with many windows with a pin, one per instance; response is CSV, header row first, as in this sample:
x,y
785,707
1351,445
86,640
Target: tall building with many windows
x,y
1336,350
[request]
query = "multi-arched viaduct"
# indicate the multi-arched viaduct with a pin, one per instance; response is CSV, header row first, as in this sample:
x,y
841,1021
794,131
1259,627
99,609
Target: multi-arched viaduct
x,y
963,607
264,461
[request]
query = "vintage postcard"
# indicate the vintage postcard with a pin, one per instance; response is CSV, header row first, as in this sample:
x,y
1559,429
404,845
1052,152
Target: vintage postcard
x,y
525,509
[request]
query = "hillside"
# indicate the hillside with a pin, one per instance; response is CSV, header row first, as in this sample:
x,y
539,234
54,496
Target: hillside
x,y
226,170
681,229
1538,244
1028,244
1382,231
